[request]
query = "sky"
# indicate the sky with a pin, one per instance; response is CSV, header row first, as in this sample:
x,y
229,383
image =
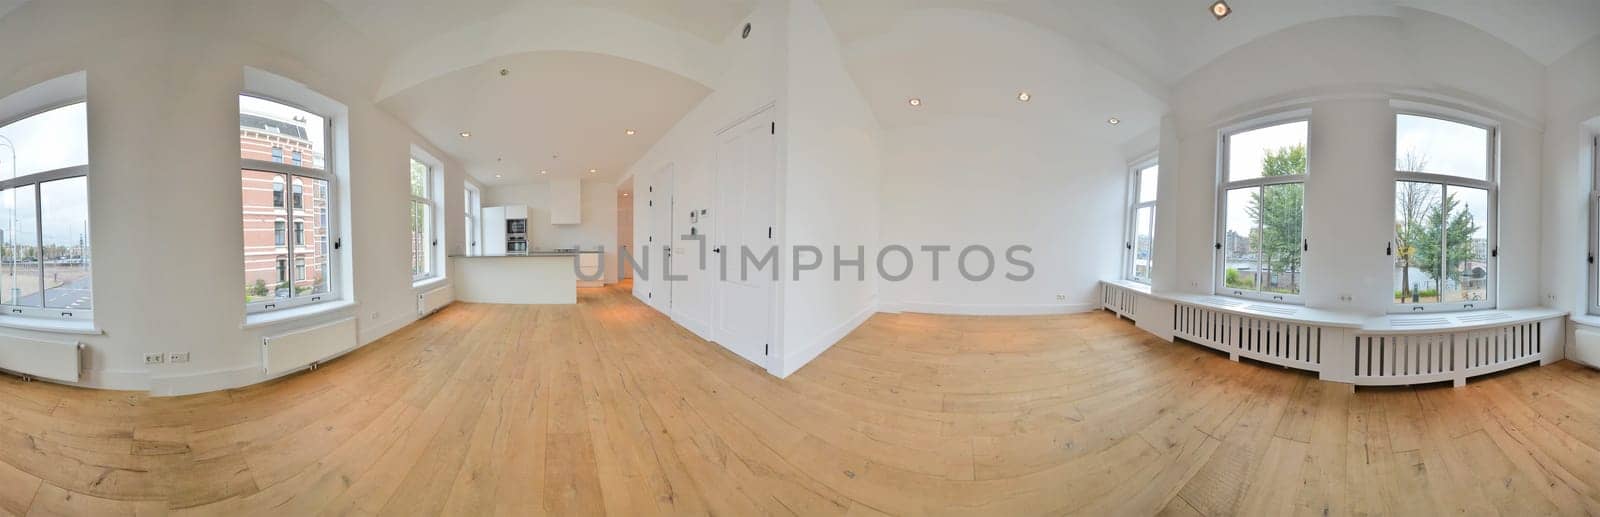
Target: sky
x,y
315,125
1245,152
48,141
1448,147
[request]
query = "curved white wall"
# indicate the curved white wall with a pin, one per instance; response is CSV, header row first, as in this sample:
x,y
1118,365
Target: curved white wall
x,y
1347,71
163,77
1573,110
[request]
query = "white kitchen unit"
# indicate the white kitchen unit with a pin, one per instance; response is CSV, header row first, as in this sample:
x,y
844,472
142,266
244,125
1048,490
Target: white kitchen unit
x,y
565,201
535,278
494,230
589,267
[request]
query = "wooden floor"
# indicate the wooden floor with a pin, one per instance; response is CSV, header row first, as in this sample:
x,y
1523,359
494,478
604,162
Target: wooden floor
x,y
607,407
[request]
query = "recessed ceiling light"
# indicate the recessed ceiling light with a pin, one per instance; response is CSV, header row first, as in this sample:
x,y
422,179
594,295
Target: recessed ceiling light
x,y
505,72
629,132
1220,9
544,172
466,134
1113,121
592,171
914,102
624,194
499,176
1024,96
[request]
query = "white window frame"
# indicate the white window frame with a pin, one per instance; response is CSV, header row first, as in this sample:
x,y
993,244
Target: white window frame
x,y
36,180
428,197
1135,175
473,231
1594,224
1219,256
326,174
1490,184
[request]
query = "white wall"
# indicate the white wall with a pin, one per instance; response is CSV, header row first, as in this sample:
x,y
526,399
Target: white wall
x,y
752,80
830,187
163,77
1346,71
598,222
1572,103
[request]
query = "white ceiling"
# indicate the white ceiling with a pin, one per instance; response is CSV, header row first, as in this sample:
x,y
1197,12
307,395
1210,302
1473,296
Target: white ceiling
x,y
1164,40
564,112
401,24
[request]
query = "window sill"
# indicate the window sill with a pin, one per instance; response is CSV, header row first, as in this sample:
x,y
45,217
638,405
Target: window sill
x,y
81,327
428,284
1587,320
264,319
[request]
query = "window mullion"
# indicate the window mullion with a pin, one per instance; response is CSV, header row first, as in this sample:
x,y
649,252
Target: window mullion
x,y
289,240
38,223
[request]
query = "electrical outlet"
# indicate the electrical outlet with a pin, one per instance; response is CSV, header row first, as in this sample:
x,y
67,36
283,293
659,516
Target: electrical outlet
x,y
1061,297
178,357
154,358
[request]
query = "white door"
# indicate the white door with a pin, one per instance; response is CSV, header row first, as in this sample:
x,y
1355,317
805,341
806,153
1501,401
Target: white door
x,y
659,241
745,182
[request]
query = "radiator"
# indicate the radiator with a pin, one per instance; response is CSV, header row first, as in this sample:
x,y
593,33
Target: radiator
x,y
1291,344
54,360
1586,349
288,352
434,300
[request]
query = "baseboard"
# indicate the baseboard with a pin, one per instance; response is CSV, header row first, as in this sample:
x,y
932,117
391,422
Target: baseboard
x,y
119,380
368,333
792,362
699,328
214,380
988,309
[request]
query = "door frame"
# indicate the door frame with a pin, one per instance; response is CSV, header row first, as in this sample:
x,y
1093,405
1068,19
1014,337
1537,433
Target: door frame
x,y
772,361
669,172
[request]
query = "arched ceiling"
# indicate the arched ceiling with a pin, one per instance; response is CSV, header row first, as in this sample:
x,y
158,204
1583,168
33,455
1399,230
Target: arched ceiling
x,y
562,112
1161,41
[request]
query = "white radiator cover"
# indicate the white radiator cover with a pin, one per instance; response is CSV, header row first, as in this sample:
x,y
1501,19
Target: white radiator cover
x,y
288,352
434,300
1586,346
54,360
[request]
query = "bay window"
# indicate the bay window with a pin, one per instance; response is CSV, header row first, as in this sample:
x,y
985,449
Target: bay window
x,y
1444,204
423,239
44,214
1141,224
1261,208
281,232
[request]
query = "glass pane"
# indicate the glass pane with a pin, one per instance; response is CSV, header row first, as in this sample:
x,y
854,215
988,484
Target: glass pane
x,y
1465,224
264,223
1239,251
55,139
318,251
1424,144
65,205
1270,151
1147,183
269,130
19,231
1143,242
419,179
1416,253
1279,208
419,236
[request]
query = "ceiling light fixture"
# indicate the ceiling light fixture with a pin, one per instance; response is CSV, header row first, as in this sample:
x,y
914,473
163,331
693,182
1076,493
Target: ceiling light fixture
x,y
466,134
624,194
629,132
1220,9
544,172
1113,121
592,171
914,102
499,176
1024,96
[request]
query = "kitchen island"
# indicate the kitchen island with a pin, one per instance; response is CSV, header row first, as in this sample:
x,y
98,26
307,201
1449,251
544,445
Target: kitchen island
x,y
537,277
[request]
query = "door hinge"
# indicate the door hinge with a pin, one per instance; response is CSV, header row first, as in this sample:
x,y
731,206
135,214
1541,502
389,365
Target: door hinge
x,y
766,349
769,232
652,203
774,128
650,295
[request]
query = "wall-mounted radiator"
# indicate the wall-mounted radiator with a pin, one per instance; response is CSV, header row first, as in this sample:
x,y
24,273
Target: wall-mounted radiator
x,y
1586,346
434,300
54,360
288,352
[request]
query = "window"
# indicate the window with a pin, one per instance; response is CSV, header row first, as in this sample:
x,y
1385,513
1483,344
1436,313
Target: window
x,y
471,226
1262,202
44,214
1142,223
1594,228
1444,197
265,128
422,210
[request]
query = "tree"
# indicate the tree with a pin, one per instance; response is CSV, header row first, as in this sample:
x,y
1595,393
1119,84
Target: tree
x,y
1411,201
1447,237
1277,211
